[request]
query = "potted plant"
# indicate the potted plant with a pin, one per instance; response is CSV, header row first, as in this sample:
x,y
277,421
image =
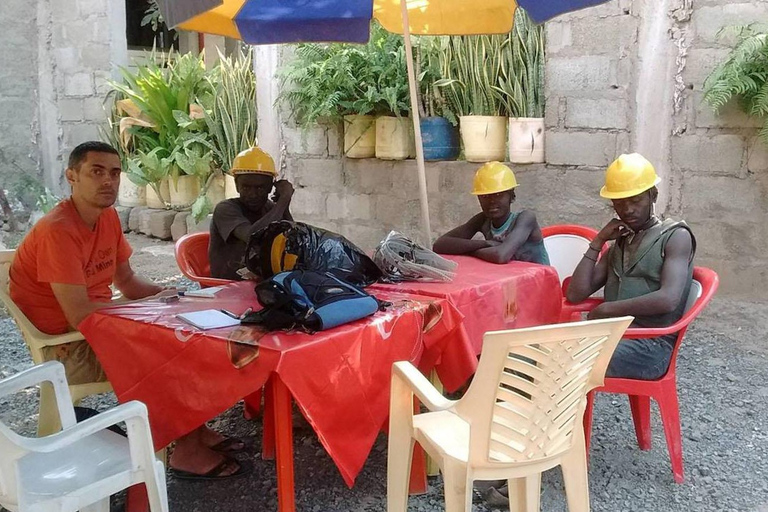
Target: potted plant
x,y
521,89
394,129
168,140
471,66
439,126
332,83
230,114
130,194
744,75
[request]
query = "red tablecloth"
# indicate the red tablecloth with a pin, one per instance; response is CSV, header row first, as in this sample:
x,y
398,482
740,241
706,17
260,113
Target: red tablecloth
x,y
494,297
339,378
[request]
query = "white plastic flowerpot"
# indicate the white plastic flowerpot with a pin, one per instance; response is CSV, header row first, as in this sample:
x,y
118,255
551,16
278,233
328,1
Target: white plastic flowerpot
x,y
153,201
184,190
230,190
216,192
526,140
131,194
359,136
484,138
394,138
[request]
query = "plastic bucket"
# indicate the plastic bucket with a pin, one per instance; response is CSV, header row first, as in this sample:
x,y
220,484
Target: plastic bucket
x,y
394,138
440,139
153,201
526,140
359,136
184,191
484,138
131,194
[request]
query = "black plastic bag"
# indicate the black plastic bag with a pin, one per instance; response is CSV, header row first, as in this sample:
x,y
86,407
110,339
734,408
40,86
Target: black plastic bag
x,y
312,248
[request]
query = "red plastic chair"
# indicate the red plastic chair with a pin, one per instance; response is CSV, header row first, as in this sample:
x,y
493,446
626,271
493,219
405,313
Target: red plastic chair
x,y
663,390
566,244
192,258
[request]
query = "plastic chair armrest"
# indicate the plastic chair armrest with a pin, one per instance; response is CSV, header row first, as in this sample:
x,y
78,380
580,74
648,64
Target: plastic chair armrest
x,y
51,371
49,340
421,387
123,412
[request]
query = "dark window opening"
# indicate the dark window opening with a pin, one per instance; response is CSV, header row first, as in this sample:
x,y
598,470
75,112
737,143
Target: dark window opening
x,y
144,38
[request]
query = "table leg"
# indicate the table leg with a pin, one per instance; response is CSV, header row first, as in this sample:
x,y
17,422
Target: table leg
x,y
268,423
281,396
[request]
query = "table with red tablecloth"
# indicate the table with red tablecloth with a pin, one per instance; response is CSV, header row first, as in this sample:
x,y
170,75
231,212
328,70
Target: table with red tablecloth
x,y
339,378
494,297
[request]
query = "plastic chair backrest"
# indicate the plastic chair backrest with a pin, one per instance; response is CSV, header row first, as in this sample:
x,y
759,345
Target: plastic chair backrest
x,y
33,337
528,396
12,444
192,255
565,244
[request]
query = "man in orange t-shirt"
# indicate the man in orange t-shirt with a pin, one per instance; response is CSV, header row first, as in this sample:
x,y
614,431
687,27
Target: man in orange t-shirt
x,y
63,270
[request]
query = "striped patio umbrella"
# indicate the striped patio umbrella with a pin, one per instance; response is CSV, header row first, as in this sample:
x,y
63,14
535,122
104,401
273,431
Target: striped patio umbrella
x,y
295,21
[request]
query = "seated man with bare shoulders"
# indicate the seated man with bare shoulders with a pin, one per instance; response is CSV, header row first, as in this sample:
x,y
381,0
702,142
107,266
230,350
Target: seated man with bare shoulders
x,y
647,271
507,235
63,270
235,220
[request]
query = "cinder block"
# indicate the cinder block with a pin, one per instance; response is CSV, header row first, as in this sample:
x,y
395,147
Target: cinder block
x,y
708,20
124,213
722,198
308,203
588,113
591,73
179,225
312,142
558,36
699,64
95,56
597,36
730,116
133,218
721,155
581,148
92,7
365,237
335,141
359,206
71,109
75,134
145,220
199,227
67,59
368,176
64,10
758,157
318,173
79,84
336,206
93,110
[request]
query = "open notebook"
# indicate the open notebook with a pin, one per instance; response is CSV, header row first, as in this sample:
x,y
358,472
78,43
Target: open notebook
x,y
208,319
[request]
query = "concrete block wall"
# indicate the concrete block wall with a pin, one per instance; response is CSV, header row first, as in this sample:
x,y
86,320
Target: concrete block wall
x,y
715,171
58,57
720,168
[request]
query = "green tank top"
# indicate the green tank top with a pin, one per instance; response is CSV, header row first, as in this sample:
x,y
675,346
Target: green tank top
x,y
530,251
634,271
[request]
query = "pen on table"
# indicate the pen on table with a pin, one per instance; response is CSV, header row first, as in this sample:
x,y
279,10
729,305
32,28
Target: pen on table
x,y
230,314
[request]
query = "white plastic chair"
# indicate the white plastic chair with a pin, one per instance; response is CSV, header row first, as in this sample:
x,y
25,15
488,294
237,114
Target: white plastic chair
x,y
48,420
79,467
521,415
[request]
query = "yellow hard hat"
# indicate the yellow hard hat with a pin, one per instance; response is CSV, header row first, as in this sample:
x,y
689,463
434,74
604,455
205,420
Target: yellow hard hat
x,y
629,176
492,178
253,161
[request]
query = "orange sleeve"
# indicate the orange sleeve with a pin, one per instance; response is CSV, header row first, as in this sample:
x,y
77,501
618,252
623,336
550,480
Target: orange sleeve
x,y
59,258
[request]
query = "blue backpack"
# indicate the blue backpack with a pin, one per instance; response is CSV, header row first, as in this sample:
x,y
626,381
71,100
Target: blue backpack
x,y
313,301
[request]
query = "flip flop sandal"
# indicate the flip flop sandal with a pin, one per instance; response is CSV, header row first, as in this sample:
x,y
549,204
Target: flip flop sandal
x,y
228,445
243,468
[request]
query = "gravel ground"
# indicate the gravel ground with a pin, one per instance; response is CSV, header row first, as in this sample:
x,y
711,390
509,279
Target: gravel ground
x,y
722,370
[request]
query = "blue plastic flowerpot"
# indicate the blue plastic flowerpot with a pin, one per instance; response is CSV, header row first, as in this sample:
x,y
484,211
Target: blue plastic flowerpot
x,y
440,139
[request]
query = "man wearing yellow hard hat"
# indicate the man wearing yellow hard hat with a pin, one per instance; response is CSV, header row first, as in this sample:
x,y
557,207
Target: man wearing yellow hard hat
x,y
507,235
647,271
234,220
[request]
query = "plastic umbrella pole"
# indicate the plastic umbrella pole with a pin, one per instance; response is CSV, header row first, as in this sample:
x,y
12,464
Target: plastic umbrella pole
x,y
424,199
